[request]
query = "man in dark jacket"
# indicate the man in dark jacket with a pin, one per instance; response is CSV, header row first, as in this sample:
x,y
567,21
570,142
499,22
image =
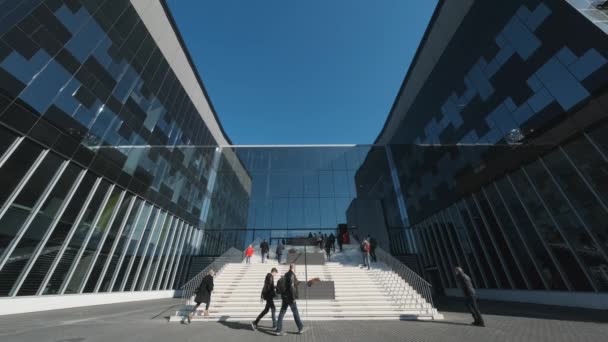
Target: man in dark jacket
x,y
373,243
340,240
268,294
264,248
279,251
203,294
465,283
332,242
288,298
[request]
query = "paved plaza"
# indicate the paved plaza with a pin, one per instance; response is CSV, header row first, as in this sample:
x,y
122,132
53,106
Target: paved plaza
x,y
147,321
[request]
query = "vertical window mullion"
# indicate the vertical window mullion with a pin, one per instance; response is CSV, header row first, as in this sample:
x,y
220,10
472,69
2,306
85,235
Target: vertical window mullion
x,y
115,243
68,238
48,233
83,247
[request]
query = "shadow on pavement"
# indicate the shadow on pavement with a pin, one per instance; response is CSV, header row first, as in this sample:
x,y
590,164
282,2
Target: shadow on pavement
x,y
497,308
236,325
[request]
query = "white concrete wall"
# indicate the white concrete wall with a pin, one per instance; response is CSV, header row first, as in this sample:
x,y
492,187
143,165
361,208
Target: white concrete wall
x,y
15,305
573,299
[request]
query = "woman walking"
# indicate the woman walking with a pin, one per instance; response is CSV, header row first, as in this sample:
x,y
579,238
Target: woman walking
x,y
203,294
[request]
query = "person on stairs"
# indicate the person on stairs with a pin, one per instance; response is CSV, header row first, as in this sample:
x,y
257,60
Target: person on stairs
x,y
373,244
465,283
279,251
268,294
203,295
365,247
287,287
328,250
248,254
264,248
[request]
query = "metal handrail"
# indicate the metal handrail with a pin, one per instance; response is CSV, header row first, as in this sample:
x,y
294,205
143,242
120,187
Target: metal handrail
x,y
232,255
396,288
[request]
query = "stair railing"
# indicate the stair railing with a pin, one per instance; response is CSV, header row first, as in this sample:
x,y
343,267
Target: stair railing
x,y
396,288
232,255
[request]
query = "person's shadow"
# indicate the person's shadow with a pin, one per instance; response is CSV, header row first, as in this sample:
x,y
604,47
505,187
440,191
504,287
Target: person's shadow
x,y
235,325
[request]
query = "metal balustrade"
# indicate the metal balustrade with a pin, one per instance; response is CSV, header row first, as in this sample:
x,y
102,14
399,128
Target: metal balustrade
x,y
189,288
399,290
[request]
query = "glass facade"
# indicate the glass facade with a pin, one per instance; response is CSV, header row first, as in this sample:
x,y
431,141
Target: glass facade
x,y
112,179
77,77
500,153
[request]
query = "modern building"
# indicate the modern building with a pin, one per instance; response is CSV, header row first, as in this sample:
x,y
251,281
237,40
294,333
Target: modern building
x,y
498,135
115,171
85,208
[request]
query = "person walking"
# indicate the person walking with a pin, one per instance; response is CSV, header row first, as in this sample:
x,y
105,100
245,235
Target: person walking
x,y
340,237
268,294
287,286
203,295
328,250
248,254
332,241
264,248
279,251
373,244
366,249
465,283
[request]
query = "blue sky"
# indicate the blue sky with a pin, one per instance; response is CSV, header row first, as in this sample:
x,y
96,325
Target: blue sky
x,y
302,72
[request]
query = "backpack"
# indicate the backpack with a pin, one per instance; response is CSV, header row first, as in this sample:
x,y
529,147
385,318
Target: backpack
x,y
281,286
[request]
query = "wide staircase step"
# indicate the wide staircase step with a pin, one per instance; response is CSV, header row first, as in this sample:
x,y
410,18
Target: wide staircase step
x,y
360,294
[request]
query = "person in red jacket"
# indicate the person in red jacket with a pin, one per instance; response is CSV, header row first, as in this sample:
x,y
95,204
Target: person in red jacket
x,y
248,254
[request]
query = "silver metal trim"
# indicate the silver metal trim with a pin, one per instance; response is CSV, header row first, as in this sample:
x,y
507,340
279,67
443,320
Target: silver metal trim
x,y
438,262
114,244
482,244
501,258
559,228
68,238
521,236
174,251
599,150
150,259
153,211
455,245
32,214
597,197
167,253
164,252
142,260
184,265
23,182
76,261
159,255
507,241
445,253
125,248
108,227
179,257
47,234
474,250
540,236
10,150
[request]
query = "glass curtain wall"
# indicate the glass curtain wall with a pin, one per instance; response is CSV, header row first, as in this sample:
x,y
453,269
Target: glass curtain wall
x,y
540,226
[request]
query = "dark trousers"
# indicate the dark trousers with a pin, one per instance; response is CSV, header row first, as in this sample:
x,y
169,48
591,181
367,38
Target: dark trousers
x,y
269,306
294,311
471,303
199,304
279,255
372,253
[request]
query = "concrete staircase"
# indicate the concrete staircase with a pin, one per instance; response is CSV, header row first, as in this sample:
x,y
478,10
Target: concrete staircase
x,y
360,294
